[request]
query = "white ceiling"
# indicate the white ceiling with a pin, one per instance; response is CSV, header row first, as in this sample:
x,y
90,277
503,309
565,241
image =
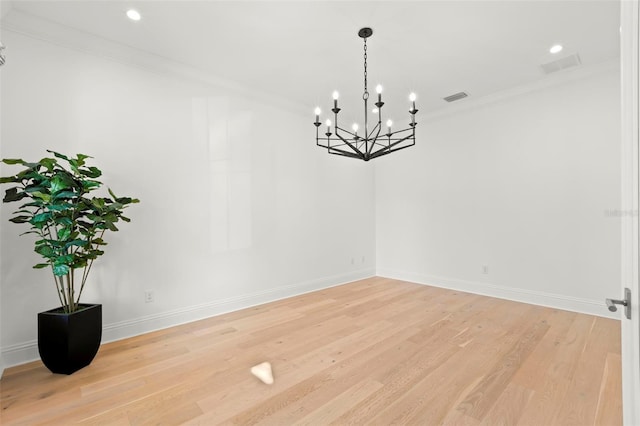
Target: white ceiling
x,y
304,50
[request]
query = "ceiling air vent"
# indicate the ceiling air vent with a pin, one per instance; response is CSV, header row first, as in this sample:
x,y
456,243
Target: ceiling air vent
x,y
561,64
456,97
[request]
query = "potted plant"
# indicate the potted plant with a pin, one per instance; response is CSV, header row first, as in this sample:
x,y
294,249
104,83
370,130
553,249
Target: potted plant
x,y
69,225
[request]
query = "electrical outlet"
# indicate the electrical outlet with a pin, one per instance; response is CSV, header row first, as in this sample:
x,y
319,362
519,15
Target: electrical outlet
x,y
148,296
485,269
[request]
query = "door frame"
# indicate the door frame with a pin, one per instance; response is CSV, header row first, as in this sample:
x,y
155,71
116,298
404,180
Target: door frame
x,y
630,329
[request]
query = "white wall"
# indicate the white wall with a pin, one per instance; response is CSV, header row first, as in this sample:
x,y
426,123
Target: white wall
x,y
522,185
238,206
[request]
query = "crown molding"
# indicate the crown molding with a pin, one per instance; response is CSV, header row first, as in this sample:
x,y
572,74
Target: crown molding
x,y
64,36
45,30
556,79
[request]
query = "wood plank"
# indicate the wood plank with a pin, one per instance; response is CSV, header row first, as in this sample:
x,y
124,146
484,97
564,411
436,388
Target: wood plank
x,y
486,393
609,408
581,400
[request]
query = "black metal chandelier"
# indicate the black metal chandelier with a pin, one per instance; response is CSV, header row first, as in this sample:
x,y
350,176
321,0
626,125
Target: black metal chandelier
x,y
372,144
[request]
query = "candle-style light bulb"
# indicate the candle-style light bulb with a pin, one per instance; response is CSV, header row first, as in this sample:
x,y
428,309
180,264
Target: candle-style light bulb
x,y
389,123
379,92
355,129
336,95
328,126
317,111
412,98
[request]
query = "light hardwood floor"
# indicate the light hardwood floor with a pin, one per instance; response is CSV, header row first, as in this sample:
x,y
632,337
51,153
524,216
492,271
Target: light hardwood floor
x,y
376,351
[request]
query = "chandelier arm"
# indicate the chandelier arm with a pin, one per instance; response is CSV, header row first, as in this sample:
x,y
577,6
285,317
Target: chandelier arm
x,y
372,145
337,145
344,130
390,148
383,145
352,146
385,152
344,153
399,141
403,130
379,128
321,146
395,141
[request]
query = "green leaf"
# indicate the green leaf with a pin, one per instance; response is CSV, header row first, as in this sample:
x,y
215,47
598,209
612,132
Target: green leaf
x,y
98,203
41,195
12,194
20,219
91,184
29,232
60,270
57,184
45,251
48,163
14,161
64,233
40,265
64,157
65,259
36,203
9,179
63,221
41,218
92,172
78,243
65,195
34,188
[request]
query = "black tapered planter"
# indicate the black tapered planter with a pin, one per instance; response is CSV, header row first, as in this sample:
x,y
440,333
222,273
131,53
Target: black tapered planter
x,y
69,342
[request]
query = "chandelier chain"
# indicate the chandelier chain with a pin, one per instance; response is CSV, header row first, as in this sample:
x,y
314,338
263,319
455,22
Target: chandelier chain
x,y
365,95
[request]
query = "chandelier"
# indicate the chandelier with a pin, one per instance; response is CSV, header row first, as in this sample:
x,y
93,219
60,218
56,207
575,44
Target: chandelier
x,y
369,144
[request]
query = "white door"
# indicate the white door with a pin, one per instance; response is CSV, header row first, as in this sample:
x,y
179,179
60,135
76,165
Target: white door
x,y
630,196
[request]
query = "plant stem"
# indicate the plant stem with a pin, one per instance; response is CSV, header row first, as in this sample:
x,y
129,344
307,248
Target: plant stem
x,y
58,290
72,276
69,291
87,269
61,290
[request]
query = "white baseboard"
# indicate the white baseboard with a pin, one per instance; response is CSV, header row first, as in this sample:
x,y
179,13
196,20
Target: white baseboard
x,y
551,300
28,351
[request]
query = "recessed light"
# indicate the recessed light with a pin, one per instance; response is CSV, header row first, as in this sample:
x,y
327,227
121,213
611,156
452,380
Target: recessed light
x,y
133,14
556,48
